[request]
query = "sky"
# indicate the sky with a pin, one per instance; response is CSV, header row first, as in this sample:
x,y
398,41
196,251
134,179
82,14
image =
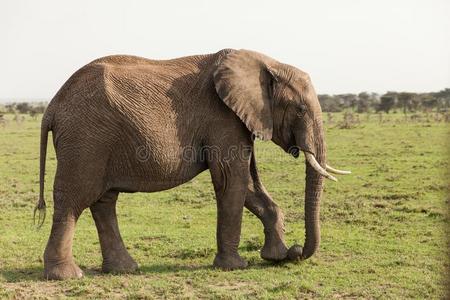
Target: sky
x,y
346,46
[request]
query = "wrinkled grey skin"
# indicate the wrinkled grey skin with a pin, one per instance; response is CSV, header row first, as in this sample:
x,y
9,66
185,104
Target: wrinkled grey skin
x,y
123,124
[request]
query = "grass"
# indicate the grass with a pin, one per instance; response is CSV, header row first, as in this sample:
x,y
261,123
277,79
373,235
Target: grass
x,y
384,227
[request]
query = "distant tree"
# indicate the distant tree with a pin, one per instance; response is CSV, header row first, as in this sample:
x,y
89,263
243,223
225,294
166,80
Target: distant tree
x,y
415,103
428,102
387,102
443,98
10,108
374,97
39,108
329,103
363,96
405,101
363,102
33,113
23,107
349,100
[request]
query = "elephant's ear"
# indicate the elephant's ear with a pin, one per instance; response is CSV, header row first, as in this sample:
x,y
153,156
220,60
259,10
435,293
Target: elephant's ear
x,y
242,81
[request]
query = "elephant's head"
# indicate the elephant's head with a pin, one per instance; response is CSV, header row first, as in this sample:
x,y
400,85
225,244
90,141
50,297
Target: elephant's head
x,y
278,102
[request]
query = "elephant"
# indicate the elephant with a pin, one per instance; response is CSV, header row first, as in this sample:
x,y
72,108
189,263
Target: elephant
x,y
127,124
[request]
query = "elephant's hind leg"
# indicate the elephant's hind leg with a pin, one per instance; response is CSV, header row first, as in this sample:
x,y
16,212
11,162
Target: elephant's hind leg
x,y
116,258
58,260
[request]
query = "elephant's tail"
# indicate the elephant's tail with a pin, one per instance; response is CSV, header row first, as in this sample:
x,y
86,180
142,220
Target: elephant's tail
x,y
41,206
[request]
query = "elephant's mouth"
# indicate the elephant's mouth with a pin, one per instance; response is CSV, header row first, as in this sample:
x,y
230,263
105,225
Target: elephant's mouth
x,y
294,151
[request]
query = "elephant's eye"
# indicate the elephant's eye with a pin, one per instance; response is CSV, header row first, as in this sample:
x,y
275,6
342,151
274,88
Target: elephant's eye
x,y
301,110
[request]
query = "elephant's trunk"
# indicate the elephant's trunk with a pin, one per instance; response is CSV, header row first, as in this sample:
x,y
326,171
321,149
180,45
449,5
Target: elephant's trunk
x,y
313,193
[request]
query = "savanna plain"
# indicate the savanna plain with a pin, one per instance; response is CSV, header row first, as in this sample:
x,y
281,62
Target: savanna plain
x,y
384,227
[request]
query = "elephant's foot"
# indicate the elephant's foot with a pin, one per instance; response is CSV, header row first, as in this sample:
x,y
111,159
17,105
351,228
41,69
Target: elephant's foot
x,y
295,252
229,262
274,251
119,263
62,271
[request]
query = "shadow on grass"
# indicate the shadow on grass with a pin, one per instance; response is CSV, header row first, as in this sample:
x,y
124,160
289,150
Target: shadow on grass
x,y
175,268
171,268
35,273
22,274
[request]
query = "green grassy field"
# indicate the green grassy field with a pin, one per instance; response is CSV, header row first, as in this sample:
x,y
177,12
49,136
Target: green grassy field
x,y
384,227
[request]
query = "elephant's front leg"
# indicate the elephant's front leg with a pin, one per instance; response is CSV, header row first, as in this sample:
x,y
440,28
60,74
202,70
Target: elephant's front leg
x,y
230,187
260,203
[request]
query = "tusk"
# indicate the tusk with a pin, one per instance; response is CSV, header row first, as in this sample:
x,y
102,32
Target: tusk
x,y
336,171
313,162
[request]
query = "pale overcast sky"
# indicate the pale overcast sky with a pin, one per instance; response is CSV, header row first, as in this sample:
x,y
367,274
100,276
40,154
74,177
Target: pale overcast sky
x,y
346,46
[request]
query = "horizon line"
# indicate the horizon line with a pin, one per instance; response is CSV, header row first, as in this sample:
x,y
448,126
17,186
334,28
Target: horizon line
x,y
6,100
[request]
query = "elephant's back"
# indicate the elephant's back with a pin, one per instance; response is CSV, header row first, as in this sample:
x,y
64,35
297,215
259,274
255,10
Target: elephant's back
x,y
119,105
111,86
81,99
101,73
122,60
